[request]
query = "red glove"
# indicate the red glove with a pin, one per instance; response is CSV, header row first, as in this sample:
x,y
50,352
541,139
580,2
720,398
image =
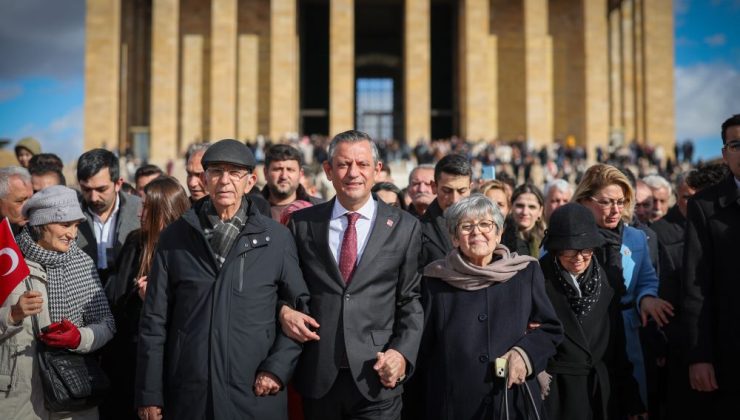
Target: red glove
x,y
62,334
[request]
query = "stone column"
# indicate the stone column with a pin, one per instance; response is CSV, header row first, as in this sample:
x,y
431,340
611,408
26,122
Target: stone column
x,y
615,70
596,81
474,46
492,73
341,66
657,24
283,69
417,71
223,69
248,86
639,71
191,106
628,72
102,73
165,81
538,72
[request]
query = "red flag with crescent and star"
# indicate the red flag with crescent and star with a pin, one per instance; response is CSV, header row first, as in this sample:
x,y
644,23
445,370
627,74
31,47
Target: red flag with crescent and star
x,y
13,268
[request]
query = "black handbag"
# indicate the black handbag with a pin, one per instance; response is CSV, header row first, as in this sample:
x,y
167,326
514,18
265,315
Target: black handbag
x,y
71,381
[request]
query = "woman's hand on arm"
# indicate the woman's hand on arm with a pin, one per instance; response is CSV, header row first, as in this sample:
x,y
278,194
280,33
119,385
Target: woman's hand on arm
x,y
657,308
517,368
297,325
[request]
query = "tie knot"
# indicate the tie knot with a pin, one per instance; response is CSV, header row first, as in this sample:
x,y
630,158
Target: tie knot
x,y
352,218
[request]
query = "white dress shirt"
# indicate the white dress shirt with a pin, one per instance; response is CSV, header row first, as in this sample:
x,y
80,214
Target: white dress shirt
x,y
105,234
338,224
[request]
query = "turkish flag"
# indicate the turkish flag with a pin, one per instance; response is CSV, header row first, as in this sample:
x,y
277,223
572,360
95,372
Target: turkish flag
x,y
13,268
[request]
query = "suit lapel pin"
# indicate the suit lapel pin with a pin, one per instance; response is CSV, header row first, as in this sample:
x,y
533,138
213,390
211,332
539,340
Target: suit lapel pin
x,y
389,222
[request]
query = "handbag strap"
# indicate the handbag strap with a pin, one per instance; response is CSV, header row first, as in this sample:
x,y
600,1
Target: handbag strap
x,y
34,318
505,401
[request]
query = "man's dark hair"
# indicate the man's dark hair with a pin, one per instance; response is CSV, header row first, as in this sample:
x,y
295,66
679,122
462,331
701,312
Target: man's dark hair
x,y
457,165
47,160
385,168
733,120
147,170
39,170
129,189
93,161
630,176
707,175
283,152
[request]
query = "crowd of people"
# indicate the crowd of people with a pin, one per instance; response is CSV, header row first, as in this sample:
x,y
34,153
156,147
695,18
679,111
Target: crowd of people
x,y
500,282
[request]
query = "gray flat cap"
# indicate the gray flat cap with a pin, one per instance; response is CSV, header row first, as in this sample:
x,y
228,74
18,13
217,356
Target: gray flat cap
x,y
229,151
55,204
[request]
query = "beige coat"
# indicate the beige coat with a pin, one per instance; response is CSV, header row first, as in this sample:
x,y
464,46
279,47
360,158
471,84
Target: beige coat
x,y
21,394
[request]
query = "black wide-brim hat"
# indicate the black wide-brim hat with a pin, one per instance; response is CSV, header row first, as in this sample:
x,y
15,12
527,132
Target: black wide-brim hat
x,y
572,226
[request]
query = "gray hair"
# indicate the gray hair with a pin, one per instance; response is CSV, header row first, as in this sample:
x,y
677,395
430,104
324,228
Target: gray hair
x,y
656,182
683,176
475,205
196,147
422,166
558,184
352,136
6,174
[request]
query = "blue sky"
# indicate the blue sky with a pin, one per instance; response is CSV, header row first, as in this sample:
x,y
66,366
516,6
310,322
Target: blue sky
x,y
42,82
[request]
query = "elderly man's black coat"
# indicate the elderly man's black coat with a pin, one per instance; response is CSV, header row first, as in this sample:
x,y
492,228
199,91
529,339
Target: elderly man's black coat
x,y
593,352
712,284
465,331
205,332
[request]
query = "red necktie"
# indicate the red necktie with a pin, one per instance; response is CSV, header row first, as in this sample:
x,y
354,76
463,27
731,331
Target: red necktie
x,y
348,253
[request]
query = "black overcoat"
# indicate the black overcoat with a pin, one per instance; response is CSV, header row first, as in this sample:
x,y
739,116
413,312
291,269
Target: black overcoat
x,y
205,332
712,284
591,365
465,331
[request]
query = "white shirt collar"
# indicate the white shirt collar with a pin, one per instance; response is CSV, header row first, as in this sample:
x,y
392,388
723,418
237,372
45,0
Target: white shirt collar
x,y
367,211
116,206
737,182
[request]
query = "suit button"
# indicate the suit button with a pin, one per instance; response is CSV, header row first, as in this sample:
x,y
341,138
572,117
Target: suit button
x,y
482,317
346,296
483,358
488,400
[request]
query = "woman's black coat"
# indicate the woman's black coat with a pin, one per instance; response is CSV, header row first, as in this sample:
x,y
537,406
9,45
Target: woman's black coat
x,y
591,364
465,331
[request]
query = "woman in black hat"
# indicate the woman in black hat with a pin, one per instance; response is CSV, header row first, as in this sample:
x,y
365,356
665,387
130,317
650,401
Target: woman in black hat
x,y
591,374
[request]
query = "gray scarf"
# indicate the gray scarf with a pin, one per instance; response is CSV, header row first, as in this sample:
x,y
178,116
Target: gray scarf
x,y
72,283
459,273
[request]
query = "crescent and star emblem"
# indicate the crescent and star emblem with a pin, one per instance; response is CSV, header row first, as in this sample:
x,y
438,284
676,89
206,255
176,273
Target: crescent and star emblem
x,y
10,252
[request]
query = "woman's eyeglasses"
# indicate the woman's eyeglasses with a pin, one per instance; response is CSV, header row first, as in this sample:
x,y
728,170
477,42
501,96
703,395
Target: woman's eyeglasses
x,y
572,253
484,226
607,204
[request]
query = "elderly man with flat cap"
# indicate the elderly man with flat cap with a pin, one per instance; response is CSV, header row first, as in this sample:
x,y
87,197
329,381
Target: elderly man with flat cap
x,y
209,345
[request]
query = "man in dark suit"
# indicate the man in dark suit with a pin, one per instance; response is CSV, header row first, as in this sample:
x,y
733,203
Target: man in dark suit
x,y
711,281
111,214
359,259
452,181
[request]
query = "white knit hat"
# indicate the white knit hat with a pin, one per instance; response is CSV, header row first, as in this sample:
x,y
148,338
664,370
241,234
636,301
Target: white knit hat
x,y
54,204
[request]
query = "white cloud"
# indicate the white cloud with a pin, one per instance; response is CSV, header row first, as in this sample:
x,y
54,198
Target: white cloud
x,y
10,92
683,41
716,40
706,94
62,136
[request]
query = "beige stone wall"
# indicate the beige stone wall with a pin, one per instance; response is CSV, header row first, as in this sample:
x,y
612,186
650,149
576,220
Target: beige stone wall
x,y
341,66
658,62
417,71
102,75
165,79
529,69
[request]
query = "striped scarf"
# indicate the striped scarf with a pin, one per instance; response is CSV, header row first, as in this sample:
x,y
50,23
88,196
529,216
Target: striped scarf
x,y
222,234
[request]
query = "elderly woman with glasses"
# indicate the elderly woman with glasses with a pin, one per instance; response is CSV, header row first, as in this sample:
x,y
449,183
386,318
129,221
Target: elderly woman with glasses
x,y
607,193
591,374
478,303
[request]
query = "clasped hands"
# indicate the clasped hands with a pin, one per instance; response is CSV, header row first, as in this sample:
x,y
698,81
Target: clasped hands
x,y
391,367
